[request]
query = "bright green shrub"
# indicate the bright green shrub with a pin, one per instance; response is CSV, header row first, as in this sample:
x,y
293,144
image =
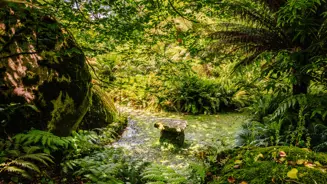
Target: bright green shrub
x,y
102,166
45,140
269,165
161,174
192,94
295,120
21,160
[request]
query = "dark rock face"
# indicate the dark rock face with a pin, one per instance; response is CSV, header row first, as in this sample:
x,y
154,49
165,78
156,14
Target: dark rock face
x,y
41,66
176,138
172,130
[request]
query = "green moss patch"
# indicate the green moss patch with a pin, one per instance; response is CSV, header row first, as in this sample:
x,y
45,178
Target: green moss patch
x,y
101,113
270,165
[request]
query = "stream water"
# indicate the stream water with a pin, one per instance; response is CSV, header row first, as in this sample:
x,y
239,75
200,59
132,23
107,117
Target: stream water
x,y
140,139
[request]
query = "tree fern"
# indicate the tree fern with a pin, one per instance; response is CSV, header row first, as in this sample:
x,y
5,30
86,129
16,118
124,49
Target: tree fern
x,y
290,102
292,29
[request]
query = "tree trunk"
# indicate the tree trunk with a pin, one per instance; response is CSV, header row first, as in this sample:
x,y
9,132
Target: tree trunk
x,y
300,88
301,84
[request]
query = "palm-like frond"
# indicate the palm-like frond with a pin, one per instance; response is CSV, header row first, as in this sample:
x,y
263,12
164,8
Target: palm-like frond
x,y
251,13
273,5
256,33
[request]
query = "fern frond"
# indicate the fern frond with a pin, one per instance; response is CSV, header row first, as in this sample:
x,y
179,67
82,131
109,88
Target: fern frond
x,y
31,149
25,164
155,177
41,157
43,139
290,102
17,170
156,182
158,173
13,153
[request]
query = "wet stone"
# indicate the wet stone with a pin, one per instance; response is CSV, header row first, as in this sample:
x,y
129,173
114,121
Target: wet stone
x,y
172,130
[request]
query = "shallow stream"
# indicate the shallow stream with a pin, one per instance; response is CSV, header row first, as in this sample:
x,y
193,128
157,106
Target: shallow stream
x,y
140,139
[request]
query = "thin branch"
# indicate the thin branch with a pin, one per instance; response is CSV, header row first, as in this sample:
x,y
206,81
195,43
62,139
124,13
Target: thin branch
x,y
95,73
171,4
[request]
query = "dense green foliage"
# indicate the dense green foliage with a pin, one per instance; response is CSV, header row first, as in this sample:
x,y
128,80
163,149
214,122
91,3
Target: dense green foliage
x,y
263,57
269,165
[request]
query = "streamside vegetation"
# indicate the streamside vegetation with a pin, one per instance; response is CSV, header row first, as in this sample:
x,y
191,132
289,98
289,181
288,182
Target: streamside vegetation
x,y
66,65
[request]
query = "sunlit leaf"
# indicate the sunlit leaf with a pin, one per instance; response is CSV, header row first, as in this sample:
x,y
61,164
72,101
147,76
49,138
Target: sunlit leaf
x,y
238,161
309,165
258,156
292,173
300,161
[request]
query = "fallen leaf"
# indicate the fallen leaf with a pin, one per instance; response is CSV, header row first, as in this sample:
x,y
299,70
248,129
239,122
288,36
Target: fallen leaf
x,y
291,163
238,162
237,166
309,165
282,154
300,161
273,180
244,182
258,156
231,179
281,159
292,173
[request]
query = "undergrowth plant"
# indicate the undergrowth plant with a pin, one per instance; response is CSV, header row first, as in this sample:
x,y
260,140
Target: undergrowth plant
x,y
45,140
102,166
159,174
20,160
295,120
26,153
197,95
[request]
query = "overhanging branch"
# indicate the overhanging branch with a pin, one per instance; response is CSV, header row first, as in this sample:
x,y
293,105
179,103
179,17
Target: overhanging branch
x,y
171,4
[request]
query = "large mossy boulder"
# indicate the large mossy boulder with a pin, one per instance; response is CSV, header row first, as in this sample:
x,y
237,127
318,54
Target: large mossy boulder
x,y
101,113
278,164
44,80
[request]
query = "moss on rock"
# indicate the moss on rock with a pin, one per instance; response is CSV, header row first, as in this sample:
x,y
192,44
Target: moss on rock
x,y
101,113
270,165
